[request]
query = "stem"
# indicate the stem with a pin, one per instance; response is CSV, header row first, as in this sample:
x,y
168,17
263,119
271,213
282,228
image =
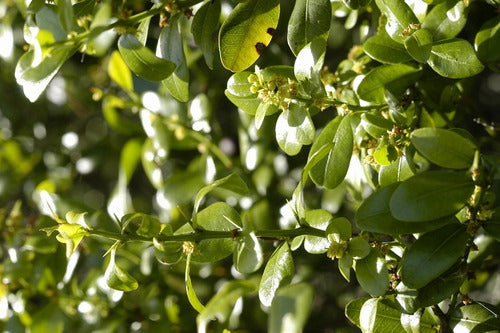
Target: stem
x,y
443,320
200,235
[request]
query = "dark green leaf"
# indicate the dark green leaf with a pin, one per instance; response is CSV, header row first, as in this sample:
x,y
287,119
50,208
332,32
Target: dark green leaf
x,y
142,60
492,227
394,78
308,20
400,170
446,19
353,309
440,288
375,125
454,58
204,29
384,49
372,274
191,293
331,170
443,147
290,308
246,33
248,256
278,272
432,254
487,42
431,195
374,215
65,13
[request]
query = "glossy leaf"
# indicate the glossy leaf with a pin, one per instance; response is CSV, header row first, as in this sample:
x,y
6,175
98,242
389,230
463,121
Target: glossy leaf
x,y
339,229
446,19
119,72
419,322
375,125
358,247
142,61
400,170
432,254
431,195
278,272
216,217
443,147
345,264
399,17
374,215
248,256
309,19
478,317
454,58
170,47
384,49
419,45
372,274
221,305
394,78
380,315
204,29
116,277
247,32
294,128
248,104
331,170
319,219
34,74
290,308
308,66
440,288
191,293
353,309
239,85
487,42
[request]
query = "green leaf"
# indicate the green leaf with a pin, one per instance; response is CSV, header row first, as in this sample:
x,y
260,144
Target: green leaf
x,y
443,147
278,272
400,170
248,256
221,305
492,227
358,247
170,47
65,13
385,154
34,73
419,322
399,17
240,86
232,183
294,128
142,61
216,217
380,315
440,288
432,254
112,109
119,72
331,170
446,19
339,229
319,219
248,104
487,42
262,110
394,78
384,49
309,19
374,215
116,277
290,308
419,45
454,58
353,309
308,66
345,264
204,29
149,226
375,125
478,317
191,294
372,274
431,195
246,33
71,235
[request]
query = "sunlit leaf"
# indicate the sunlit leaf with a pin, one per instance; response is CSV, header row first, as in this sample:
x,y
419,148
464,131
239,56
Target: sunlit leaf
x,y
290,308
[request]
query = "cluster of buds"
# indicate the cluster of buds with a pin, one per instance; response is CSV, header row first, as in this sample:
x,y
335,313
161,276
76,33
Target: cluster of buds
x,y
278,90
337,249
412,27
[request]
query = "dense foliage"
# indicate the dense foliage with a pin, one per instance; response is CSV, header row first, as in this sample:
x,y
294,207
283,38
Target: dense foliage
x,y
250,165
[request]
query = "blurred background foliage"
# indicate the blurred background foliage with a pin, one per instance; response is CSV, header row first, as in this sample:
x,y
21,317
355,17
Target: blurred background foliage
x,y
70,141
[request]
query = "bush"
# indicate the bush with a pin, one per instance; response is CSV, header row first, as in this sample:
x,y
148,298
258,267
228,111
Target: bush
x,y
203,177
